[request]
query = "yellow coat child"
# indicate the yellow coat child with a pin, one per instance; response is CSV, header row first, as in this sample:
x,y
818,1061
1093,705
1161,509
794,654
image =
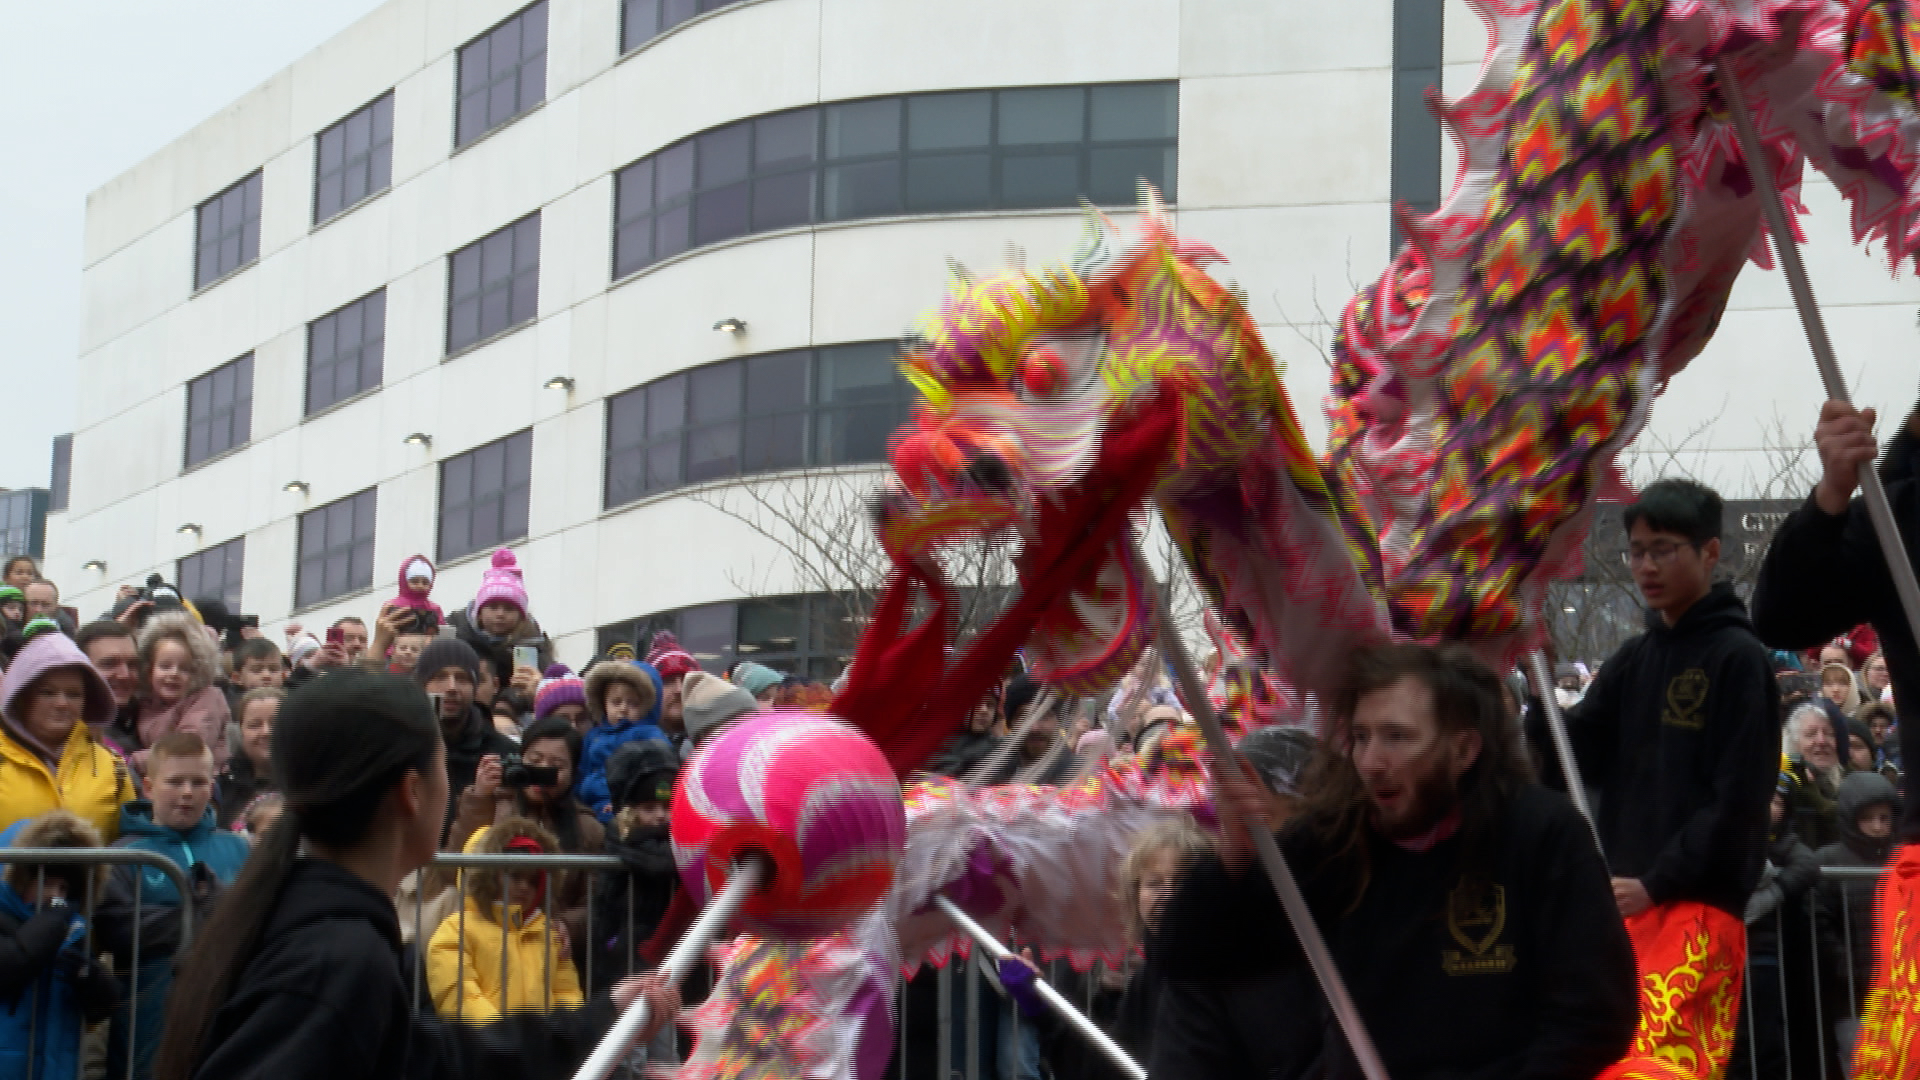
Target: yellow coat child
x,y
487,973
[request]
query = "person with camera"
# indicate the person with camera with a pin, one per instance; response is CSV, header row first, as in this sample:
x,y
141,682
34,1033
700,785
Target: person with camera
x,y
400,635
449,671
537,784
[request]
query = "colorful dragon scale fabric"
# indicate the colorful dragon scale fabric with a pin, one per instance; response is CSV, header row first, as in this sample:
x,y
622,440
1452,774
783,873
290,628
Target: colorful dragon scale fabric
x,y
1022,372
1482,387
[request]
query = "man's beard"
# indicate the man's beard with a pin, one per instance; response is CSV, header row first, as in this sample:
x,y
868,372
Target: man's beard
x,y
1435,794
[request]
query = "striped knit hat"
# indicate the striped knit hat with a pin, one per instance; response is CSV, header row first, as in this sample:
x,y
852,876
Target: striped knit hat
x,y
668,658
560,687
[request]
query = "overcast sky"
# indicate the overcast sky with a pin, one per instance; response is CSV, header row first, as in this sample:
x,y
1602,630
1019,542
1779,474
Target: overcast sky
x,y
93,87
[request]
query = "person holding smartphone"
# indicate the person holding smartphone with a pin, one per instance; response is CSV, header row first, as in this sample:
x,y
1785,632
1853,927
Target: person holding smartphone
x,y
499,616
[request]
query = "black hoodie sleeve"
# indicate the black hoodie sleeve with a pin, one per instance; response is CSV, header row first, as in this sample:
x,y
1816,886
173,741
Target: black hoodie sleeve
x,y
1726,838
1819,577
526,1046
1589,997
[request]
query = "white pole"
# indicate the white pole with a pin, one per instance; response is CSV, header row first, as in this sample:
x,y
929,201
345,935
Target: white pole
x,y
1557,727
1899,567
1227,767
745,879
1046,991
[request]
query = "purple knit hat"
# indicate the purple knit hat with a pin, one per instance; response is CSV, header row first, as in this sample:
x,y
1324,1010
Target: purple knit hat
x,y
560,687
502,582
47,652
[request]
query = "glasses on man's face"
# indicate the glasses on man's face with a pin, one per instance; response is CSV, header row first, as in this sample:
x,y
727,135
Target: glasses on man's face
x,y
1657,554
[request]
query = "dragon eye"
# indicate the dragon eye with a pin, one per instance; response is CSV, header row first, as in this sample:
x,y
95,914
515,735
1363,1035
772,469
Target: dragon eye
x,y
1043,371
1056,363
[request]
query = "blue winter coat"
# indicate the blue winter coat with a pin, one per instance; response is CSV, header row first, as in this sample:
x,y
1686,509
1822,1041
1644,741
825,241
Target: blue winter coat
x,y
221,853
46,1015
598,747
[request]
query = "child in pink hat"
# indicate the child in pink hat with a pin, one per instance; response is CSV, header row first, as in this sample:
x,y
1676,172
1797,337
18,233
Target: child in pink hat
x,y
498,620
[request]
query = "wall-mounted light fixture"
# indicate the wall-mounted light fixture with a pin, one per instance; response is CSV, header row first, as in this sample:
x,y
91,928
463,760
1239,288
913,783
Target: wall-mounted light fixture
x,y
731,325
94,564
418,438
558,382
297,487
189,527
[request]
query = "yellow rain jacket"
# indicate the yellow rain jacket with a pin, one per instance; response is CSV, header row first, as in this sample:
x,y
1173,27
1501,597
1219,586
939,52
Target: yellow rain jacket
x,y
464,972
91,781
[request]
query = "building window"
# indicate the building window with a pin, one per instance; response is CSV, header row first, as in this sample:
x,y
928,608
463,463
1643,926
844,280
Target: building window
x,y
214,574
1416,158
483,496
353,159
643,20
220,410
346,350
23,522
336,550
812,636
503,73
918,154
835,405
493,284
62,472
227,232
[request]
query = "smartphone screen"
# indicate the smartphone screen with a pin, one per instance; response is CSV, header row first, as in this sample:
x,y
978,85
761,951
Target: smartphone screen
x,y
526,656
336,636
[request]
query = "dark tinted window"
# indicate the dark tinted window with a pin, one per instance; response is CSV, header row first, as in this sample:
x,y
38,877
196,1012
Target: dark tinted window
x,y
353,159
923,153
829,406
493,284
643,20
214,574
220,410
335,549
1416,162
346,350
62,472
23,522
227,232
811,636
483,496
503,73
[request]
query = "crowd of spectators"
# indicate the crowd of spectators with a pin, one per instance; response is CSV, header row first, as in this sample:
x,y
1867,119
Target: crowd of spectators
x,y
151,728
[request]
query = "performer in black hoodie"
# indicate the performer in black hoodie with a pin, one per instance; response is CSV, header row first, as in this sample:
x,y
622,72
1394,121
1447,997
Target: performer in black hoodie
x,y
1680,732
1464,904
299,973
1825,572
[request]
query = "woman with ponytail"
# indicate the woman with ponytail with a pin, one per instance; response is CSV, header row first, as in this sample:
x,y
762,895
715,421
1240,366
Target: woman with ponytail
x,y
299,973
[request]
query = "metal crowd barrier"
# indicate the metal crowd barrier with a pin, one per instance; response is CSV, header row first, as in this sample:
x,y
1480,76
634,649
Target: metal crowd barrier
x,y
1817,1000
93,857
966,1001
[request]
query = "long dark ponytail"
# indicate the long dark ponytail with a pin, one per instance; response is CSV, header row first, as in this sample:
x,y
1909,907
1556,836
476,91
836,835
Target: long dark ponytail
x,y
339,745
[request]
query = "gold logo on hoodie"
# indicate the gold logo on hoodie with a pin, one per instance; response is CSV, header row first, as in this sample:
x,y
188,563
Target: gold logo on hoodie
x,y
1476,917
1686,700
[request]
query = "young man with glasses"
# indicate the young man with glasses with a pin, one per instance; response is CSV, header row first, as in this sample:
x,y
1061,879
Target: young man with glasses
x,y
1678,740
1679,735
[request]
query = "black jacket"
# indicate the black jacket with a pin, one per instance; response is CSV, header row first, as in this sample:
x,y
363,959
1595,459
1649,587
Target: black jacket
x,y
464,751
642,895
28,947
326,996
1846,904
1825,574
1680,735
1529,977
238,787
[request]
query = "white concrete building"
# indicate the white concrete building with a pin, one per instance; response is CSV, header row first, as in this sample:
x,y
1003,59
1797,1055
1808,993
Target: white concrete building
x,y
468,220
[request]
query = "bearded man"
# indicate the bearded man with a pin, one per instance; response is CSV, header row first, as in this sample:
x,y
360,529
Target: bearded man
x,y
1465,905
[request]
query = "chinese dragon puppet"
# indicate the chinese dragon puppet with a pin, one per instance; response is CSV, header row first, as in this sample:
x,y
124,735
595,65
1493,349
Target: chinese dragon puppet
x,y
1481,391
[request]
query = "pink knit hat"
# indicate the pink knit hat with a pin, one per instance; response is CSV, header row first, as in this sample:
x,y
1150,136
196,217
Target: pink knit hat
x,y
668,658
502,582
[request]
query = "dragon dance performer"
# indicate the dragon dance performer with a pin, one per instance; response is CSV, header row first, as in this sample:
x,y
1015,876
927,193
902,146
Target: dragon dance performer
x,y
1679,734
1423,805
1825,566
